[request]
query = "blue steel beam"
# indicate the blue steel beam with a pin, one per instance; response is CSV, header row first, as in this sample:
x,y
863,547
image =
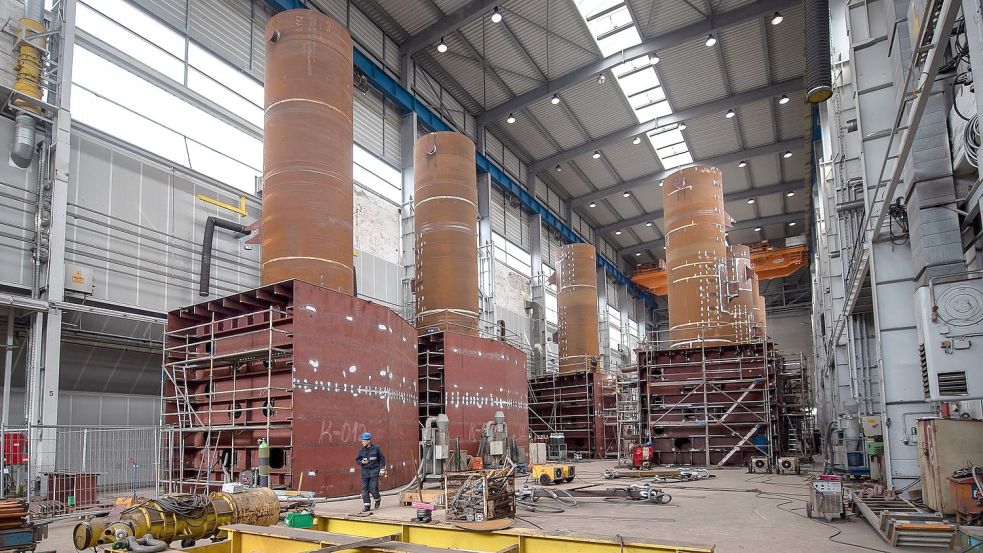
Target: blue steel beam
x,y
281,5
406,101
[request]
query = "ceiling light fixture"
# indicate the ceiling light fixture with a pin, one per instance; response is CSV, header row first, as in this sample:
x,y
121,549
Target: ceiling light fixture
x,y
648,224
618,232
638,254
682,126
601,78
510,119
711,40
777,18
730,113
496,15
654,58
750,201
597,154
787,154
792,224
661,183
742,163
555,99
625,194
638,140
558,168
790,194
783,100
441,46
592,204
757,229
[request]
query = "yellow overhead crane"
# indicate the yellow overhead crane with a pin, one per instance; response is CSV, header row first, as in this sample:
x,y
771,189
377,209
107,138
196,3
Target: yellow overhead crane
x,y
332,533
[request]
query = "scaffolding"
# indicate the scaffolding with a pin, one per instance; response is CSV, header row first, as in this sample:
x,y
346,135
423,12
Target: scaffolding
x,y
581,405
796,419
629,414
709,405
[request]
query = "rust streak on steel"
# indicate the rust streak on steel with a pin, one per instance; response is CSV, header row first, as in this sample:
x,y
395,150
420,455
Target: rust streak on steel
x,y
695,257
307,152
446,215
576,301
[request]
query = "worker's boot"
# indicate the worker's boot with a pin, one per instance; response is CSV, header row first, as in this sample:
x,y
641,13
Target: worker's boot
x,y
378,502
366,507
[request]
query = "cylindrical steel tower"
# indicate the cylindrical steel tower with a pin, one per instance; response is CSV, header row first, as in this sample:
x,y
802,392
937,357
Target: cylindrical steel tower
x,y
739,274
696,251
758,331
445,203
576,301
307,152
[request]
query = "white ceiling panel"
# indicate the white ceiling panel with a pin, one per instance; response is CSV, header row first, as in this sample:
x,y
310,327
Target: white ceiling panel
x,y
711,135
756,123
691,74
743,49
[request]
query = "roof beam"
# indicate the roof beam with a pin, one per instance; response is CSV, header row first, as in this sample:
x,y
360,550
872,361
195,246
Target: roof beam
x,y
447,24
740,225
661,42
779,188
654,178
721,106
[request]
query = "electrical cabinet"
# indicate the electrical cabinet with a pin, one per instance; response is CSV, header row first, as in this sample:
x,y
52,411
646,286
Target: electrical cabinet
x,y
950,327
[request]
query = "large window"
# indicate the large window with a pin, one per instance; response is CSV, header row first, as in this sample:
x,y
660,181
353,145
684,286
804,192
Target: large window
x,y
512,255
377,176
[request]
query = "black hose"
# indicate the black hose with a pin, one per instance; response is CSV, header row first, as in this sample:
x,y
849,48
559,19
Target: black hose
x,y
205,271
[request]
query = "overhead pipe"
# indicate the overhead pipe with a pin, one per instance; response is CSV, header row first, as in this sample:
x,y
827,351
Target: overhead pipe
x,y
205,271
28,69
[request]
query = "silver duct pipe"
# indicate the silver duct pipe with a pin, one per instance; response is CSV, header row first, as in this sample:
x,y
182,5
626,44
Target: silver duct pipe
x,y
25,135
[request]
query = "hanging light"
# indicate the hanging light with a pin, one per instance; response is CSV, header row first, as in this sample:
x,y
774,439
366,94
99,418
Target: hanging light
x,y
601,78
787,154
555,99
661,183
496,15
638,254
638,140
777,18
654,58
790,194
750,201
792,224
681,126
730,113
648,224
742,164
592,205
783,100
618,232
558,168
510,119
625,194
757,229
596,155
711,40
441,46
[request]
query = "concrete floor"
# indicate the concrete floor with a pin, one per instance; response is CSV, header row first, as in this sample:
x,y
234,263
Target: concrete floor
x,y
734,511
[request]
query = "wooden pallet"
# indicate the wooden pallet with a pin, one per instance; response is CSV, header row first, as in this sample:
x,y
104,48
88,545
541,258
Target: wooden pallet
x,y
434,496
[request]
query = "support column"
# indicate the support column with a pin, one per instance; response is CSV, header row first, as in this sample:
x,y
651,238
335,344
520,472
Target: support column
x,y
602,318
536,307
624,300
407,138
486,253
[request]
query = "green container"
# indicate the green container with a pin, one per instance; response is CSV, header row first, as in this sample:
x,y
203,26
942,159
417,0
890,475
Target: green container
x,y
300,520
875,448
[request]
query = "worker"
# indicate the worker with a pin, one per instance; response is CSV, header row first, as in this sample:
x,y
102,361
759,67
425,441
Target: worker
x,y
373,463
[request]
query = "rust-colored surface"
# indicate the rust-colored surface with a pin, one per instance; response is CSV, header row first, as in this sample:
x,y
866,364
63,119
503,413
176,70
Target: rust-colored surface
x,y
576,301
695,257
739,274
573,403
758,329
762,322
767,263
470,379
341,366
445,203
307,152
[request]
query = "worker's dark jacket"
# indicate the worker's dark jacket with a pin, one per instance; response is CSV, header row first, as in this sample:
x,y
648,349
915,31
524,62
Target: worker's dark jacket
x,y
376,460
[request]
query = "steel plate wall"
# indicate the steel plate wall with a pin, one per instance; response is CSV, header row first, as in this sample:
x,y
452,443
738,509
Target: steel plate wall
x,y
693,201
576,301
757,309
307,152
739,275
445,202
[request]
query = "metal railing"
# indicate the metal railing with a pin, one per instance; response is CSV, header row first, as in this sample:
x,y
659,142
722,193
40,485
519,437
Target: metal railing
x,y
72,470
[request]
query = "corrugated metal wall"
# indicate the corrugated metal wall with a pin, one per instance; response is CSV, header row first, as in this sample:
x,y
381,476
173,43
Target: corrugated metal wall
x,y
17,208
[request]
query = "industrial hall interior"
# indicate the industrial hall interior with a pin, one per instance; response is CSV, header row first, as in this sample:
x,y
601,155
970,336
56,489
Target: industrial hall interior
x,y
491,276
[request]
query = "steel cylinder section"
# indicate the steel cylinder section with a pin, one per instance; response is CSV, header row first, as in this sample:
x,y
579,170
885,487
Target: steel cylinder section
x,y
741,300
576,302
757,309
445,203
696,251
307,152
762,321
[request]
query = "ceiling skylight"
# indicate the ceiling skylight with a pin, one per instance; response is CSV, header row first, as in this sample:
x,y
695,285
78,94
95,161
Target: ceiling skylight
x,y
614,30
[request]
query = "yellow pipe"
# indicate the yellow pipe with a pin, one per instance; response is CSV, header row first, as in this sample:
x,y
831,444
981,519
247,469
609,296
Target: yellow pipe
x,y
28,66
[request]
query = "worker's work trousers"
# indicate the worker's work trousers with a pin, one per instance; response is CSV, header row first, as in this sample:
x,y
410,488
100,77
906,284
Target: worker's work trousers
x,y
370,485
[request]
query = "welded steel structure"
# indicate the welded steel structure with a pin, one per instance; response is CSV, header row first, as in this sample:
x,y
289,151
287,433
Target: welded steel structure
x,y
759,326
576,300
581,405
470,378
696,252
739,292
307,152
302,367
445,204
710,405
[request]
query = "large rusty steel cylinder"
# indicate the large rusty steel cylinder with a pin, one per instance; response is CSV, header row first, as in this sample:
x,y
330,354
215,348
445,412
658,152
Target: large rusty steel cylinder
x,y
758,330
445,203
576,302
739,291
696,251
307,152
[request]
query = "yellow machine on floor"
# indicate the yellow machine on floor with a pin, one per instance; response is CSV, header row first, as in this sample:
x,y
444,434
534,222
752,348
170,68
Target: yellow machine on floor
x,y
552,473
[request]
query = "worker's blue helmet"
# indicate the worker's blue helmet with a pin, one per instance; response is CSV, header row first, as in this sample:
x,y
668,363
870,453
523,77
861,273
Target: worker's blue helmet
x,y
366,436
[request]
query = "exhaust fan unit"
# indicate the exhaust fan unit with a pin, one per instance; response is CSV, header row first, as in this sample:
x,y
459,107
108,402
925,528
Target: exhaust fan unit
x,y
760,465
950,327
